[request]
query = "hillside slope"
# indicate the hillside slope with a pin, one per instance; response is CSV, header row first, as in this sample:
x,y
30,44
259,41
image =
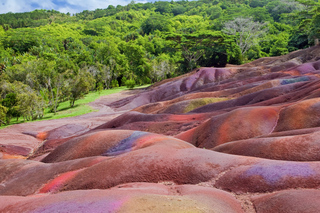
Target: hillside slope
x,y
234,139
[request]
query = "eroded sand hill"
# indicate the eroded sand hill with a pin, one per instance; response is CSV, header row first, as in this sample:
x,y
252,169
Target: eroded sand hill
x,y
235,139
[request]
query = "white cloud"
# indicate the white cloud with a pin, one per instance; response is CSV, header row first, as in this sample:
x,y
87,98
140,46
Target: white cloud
x,y
44,4
16,6
72,6
67,10
90,5
94,4
13,6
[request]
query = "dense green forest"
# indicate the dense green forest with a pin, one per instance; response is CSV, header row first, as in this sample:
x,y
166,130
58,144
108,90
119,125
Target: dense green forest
x,y
47,57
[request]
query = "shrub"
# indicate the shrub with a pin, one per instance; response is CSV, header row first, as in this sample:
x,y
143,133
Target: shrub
x,y
130,83
114,83
123,81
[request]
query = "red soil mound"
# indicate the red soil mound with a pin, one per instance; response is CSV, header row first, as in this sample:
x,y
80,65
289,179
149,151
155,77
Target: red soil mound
x,y
304,147
138,197
238,124
238,131
109,143
293,201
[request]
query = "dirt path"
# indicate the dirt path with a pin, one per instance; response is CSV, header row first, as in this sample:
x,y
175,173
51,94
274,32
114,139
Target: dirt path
x,y
14,135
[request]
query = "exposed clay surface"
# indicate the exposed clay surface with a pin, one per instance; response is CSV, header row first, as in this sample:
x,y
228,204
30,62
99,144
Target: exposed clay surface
x,y
235,139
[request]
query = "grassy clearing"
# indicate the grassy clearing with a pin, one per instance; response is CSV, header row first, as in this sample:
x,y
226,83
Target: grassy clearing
x,y
81,106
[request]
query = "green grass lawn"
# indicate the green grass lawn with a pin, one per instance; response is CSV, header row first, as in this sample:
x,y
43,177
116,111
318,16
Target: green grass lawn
x,y
81,106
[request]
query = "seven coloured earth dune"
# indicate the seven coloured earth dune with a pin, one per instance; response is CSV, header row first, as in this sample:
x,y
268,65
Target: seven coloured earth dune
x,y
235,139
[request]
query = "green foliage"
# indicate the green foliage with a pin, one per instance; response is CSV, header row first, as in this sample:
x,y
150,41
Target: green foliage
x,y
162,68
254,53
99,87
21,100
280,45
315,26
21,40
277,8
155,22
214,12
114,83
10,102
178,9
163,7
130,83
29,19
123,81
80,85
203,48
3,112
258,3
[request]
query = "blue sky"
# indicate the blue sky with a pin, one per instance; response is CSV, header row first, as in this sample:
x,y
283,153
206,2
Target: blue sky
x,y
71,6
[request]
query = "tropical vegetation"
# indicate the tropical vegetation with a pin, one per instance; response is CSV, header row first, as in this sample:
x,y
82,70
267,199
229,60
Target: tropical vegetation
x,y
48,57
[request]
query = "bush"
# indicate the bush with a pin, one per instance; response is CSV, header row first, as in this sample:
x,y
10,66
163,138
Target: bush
x,y
130,83
146,80
123,81
3,111
114,83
